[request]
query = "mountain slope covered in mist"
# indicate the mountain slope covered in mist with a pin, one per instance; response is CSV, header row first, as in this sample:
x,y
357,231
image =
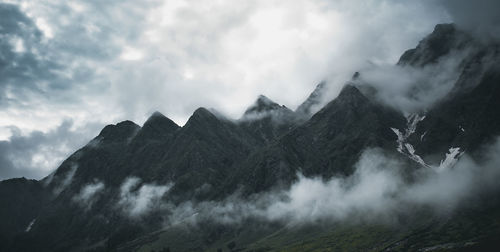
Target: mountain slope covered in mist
x,y
391,164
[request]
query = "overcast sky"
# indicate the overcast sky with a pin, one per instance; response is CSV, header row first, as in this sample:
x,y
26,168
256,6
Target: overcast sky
x,y
67,68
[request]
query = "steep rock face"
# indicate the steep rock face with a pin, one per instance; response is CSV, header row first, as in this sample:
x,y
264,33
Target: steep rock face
x,y
461,119
21,200
118,133
261,105
265,120
115,153
202,154
444,39
149,147
198,155
312,104
99,159
74,221
467,121
156,128
467,117
328,144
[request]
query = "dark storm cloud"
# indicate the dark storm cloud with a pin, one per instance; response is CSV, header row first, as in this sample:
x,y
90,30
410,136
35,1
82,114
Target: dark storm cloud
x,y
35,155
23,67
51,101
479,16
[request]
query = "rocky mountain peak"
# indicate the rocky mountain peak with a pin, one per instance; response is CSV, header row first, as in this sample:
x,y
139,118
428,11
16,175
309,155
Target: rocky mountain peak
x,y
158,121
157,125
351,94
444,38
264,107
262,104
156,114
120,131
202,117
313,102
202,113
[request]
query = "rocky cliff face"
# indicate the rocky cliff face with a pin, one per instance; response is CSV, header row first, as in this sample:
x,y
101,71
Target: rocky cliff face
x,y
313,102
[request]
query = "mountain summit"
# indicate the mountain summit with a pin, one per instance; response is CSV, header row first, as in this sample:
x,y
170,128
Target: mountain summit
x,y
444,39
157,126
266,119
262,104
265,107
312,104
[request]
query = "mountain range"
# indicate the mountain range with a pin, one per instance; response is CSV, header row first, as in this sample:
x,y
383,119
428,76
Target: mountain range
x,y
155,187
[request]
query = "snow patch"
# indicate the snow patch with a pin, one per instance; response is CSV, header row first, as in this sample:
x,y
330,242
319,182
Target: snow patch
x,y
400,140
407,149
30,225
412,121
404,147
451,159
422,136
413,156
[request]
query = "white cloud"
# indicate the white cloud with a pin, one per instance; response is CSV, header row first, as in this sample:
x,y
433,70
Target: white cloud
x,y
131,54
380,190
88,194
45,27
223,55
65,180
137,199
414,89
18,45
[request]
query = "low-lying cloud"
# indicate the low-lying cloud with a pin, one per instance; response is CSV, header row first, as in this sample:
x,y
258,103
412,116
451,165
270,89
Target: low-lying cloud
x,y
379,190
413,89
64,180
88,194
137,199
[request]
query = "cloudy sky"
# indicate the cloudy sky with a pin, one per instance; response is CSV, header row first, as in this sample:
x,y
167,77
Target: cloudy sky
x,y
67,68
